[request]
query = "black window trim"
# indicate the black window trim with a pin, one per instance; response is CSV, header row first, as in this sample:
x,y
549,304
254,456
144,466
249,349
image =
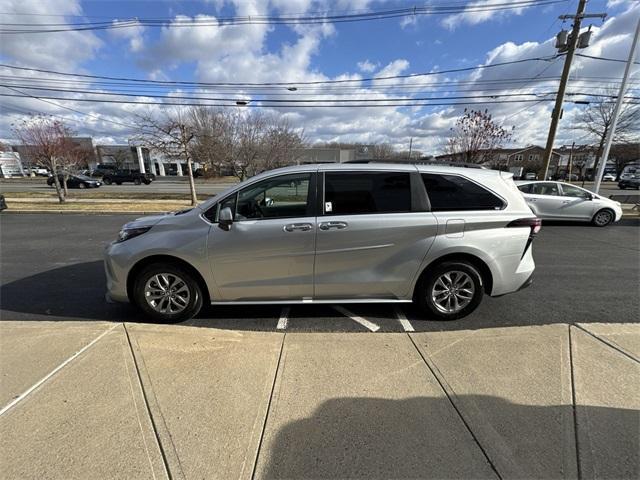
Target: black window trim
x,y
415,208
500,197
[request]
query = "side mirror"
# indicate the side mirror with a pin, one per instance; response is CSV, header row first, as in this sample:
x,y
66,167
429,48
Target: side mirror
x,y
588,196
225,219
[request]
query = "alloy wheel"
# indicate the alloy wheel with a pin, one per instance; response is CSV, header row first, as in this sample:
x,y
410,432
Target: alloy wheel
x,y
603,218
167,293
452,291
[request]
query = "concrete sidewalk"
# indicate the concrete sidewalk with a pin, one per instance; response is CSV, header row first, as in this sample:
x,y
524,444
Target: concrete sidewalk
x,y
172,401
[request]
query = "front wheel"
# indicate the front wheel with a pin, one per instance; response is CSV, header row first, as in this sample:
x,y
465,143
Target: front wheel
x,y
449,291
82,185
167,293
603,218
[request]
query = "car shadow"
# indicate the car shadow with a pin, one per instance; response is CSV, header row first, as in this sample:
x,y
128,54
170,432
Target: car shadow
x,y
423,437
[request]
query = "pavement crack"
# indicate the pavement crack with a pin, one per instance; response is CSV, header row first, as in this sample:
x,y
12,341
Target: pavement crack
x,y
266,417
609,343
446,389
147,407
574,406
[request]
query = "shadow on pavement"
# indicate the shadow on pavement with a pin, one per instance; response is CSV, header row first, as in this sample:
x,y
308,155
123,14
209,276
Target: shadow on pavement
x,y
422,438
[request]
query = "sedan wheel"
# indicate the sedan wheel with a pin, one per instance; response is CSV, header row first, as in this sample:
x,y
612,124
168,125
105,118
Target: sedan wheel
x,y
603,218
82,185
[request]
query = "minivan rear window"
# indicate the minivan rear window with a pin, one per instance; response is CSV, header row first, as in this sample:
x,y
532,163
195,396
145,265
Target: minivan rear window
x,y
453,193
352,193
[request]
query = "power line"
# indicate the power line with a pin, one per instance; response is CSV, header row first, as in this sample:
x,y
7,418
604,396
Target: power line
x,y
604,58
300,19
290,83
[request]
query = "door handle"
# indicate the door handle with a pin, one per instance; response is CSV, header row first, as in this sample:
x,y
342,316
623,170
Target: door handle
x,y
336,225
303,227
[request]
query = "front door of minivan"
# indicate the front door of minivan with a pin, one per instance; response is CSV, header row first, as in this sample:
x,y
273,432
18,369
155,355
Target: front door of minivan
x,y
268,252
370,240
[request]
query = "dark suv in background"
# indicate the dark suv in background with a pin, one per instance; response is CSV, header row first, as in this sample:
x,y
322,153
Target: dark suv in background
x,y
121,176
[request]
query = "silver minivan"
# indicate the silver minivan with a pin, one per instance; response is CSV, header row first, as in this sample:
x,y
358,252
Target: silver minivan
x,y
441,237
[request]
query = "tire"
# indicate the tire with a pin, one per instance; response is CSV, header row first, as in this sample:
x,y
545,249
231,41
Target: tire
x,y
82,186
137,181
118,183
461,274
603,217
106,181
147,182
621,187
150,280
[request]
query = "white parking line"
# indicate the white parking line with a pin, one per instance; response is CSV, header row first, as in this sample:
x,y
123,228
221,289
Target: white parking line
x,y
53,372
284,319
402,318
362,321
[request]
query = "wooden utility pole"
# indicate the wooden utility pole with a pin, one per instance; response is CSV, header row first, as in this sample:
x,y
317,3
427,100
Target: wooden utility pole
x,y
557,109
570,48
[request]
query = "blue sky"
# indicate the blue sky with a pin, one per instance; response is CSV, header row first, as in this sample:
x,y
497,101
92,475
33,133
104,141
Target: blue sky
x,y
258,53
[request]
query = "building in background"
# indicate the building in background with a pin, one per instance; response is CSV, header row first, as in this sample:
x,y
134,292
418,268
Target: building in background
x,y
11,165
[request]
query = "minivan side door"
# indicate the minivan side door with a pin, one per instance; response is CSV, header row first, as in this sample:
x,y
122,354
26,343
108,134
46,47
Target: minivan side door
x,y
372,234
268,252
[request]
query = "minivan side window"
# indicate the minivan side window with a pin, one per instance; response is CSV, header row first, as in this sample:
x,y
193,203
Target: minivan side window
x,y
356,193
453,193
285,196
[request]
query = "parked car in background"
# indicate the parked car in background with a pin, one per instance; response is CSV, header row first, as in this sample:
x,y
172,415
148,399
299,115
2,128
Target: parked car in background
x,y
76,181
563,201
631,181
609,177
439,236
37,171
133,176
530,176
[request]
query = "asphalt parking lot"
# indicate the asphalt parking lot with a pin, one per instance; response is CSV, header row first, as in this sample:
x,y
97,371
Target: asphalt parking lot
x,y
541,384
583,274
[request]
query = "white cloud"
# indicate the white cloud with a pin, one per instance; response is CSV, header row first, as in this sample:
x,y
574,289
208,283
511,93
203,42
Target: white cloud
x,y
65,49
367,66
471,17
134,34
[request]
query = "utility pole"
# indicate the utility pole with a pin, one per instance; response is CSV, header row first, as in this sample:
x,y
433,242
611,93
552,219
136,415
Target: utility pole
x,y
616,111
570,48
573,144
410,146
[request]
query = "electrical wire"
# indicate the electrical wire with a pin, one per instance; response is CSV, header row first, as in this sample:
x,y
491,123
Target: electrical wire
x,y
300,19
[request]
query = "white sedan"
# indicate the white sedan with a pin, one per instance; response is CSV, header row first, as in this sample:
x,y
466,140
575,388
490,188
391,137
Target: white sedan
x,y
563,201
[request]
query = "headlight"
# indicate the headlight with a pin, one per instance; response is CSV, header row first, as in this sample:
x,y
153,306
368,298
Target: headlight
x,y
127,233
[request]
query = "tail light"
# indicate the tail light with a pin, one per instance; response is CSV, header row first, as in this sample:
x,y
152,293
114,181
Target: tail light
x,y
533,222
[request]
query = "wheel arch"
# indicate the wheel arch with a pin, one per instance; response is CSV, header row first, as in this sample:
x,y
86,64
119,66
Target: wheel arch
x,y
605,209
166,259
477,262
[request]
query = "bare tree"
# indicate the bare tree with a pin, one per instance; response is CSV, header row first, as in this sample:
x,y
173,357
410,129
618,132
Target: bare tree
x,y
73,158
281,144
383,151
47,140
171,133
120,157
475,136
213,141
596,119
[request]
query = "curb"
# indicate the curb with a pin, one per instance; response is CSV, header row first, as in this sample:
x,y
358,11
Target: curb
x,y
78,212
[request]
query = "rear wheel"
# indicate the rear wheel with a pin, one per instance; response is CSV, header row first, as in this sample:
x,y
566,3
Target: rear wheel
x,y
137,181
603,217
167,293
449,291
82,185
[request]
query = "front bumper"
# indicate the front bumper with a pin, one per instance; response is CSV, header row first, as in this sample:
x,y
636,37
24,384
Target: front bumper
x,y
116,279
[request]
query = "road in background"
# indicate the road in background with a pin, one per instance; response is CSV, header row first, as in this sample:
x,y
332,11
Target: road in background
x,y
52,270
180,185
